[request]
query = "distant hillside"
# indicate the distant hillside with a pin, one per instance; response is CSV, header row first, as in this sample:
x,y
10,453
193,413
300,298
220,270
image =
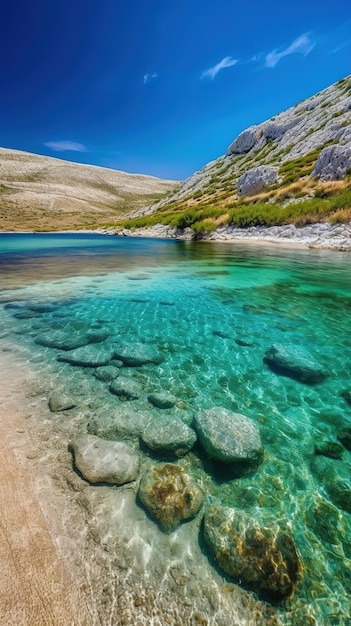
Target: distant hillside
x,y
43,193
293,168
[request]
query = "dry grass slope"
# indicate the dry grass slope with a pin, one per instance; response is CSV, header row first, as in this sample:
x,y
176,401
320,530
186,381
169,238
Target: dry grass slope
x,y
42,193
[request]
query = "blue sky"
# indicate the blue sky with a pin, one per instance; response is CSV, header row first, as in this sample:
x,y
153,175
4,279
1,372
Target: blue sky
x,y
159,87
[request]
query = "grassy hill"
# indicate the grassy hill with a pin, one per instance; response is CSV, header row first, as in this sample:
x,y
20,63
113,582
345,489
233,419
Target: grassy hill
x,y
292,142
42,193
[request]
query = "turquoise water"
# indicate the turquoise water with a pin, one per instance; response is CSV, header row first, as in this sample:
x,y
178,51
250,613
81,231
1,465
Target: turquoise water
x,y
213,311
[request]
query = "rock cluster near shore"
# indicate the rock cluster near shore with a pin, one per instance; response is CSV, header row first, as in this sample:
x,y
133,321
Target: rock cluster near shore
x,y
321,235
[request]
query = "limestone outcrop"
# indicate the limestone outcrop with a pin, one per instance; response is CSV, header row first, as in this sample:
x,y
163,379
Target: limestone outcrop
x,y
333,162
257,179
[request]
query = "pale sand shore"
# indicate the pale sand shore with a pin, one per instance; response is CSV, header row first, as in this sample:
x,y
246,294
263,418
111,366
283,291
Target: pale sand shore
x,y
36,587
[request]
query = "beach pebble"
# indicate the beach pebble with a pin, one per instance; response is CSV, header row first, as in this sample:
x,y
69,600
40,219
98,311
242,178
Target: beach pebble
x,y
60,402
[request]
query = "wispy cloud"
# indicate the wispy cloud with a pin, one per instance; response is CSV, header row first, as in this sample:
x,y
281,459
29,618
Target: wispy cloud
x,y
65,146
148,77
302,45
213,71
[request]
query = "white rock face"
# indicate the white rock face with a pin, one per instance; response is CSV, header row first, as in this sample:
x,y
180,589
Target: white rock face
x,y
333,162
245,141
256,180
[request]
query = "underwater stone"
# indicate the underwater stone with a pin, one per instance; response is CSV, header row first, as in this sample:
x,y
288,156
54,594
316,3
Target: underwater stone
x,y
126,388
324,519
136,354
106,373
87,356
168,434
346,394
295,363
227,436
263,557
170,495
332,449
162,400
335,476
123,422
60,402
70,340
101,461
345,437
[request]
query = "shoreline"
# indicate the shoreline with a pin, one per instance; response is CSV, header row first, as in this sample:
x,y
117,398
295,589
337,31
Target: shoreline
x,y
319,236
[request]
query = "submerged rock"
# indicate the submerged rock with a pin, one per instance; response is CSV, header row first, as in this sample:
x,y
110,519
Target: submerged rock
x,y
87,356
162,400
345,437
60,402
101,461
168,434
170,495
295,363
136,354
126,388
106,373
335,476
331,449
227,436
72,339
346,394
121,423
265,558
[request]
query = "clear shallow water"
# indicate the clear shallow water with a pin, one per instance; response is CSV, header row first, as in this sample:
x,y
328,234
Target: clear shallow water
x,y
213,311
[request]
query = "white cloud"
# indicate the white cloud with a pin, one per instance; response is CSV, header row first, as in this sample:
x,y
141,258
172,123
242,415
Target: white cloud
x,y
213,71
302,45
66,146
148,77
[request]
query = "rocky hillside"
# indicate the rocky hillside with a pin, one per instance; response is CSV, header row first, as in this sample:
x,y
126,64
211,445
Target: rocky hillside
x,y
42,193
293,168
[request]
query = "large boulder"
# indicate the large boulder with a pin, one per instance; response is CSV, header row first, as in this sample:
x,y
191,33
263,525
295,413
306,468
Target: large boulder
x,y
170,495
168,434
87,356
135,354
333,162
264,557
102,461
256,179
245,141
275,131
227,436
126,388
295,363
71,339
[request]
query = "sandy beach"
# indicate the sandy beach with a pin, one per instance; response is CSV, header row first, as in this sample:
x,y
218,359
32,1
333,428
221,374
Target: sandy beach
x,y
36,586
